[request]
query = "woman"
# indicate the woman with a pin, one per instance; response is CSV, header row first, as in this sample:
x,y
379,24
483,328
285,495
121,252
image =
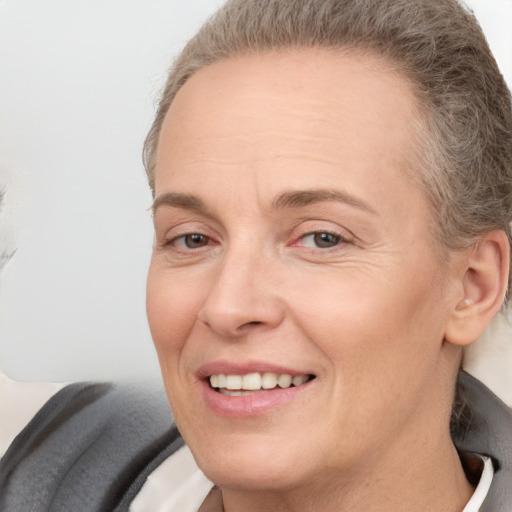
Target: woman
x,y
332,209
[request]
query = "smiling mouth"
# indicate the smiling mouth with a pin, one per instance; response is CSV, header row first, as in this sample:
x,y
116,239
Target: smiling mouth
x,y
250,383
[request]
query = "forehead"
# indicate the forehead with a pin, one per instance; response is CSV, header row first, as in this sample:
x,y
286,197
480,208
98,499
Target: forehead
x,y
306,91
298,112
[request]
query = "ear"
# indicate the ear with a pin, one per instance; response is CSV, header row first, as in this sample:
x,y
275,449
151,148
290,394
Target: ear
x,y
484,285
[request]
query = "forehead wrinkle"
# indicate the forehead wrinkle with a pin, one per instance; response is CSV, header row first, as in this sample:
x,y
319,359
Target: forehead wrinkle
x,y
252,161
304,147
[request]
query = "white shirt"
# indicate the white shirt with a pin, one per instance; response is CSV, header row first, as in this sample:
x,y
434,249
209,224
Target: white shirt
x,y
483,486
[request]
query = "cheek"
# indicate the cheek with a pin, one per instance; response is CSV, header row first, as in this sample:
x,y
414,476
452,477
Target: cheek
x,y
172,310
368,320
381,343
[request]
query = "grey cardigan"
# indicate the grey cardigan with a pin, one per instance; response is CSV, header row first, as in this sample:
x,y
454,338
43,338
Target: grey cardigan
x,y
92,446
489,433
89,449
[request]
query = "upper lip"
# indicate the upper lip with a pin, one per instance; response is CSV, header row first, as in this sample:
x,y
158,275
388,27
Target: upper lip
x,y
230,368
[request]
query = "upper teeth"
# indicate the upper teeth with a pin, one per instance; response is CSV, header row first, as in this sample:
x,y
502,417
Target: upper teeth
x,y
254,381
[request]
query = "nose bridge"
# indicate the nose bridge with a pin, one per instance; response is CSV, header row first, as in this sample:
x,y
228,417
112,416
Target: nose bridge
x,y
241,294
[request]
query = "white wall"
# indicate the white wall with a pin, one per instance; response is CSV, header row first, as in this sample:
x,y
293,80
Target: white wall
x,y
78,82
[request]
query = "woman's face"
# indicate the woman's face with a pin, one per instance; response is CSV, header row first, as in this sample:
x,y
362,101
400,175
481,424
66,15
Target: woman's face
x,y
291,245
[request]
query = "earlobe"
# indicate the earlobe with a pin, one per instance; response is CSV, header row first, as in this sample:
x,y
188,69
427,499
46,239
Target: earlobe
x,y
484,285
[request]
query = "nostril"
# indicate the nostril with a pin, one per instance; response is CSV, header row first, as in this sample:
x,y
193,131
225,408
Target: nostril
x,y
249,324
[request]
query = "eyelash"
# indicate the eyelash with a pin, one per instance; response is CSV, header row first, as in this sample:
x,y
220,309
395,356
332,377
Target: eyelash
x,y
336,239
173,241
339,239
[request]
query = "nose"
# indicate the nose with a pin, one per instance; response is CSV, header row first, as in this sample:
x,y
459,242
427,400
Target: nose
x,y
243,296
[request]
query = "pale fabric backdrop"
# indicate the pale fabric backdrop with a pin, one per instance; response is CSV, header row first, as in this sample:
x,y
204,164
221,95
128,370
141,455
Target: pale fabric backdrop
x,y
79,79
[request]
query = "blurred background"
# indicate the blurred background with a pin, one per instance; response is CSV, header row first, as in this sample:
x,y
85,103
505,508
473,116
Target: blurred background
x,y
79,82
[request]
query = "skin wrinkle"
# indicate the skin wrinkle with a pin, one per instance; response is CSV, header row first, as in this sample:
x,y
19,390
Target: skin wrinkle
x,y
361,317
299,157
237,139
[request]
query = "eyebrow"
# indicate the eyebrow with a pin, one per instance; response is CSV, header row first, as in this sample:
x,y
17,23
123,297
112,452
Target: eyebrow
x,y
176,200
301,198
288,199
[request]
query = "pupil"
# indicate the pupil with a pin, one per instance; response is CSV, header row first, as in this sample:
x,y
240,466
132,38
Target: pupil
x,y
326,240
194,241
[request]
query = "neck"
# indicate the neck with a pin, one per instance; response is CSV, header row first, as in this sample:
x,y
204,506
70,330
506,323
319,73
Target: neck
x,y
430,477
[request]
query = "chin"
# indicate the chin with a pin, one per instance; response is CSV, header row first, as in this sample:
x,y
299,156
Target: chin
x,y
251,467
263,477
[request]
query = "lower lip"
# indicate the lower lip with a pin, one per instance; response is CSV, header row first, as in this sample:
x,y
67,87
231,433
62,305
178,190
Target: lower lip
x,y
255,404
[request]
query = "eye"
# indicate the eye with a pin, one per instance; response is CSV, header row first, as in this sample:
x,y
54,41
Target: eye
x,y
190,241
322,240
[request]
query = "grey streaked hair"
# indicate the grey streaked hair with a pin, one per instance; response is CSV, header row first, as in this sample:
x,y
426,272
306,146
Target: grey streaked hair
x,y
465,154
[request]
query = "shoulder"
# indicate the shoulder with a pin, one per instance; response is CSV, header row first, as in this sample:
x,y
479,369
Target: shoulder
x,y
90,448
487,430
